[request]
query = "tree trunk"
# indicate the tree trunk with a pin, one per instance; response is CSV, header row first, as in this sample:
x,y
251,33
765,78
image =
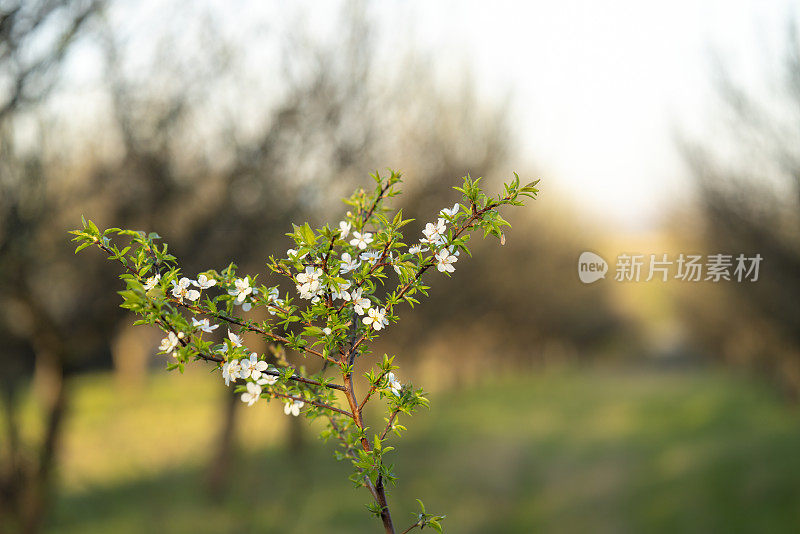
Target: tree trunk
x,y
50,387
385,515
222,461
11,469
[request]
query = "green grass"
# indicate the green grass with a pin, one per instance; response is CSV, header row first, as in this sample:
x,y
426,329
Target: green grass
x,y
587,451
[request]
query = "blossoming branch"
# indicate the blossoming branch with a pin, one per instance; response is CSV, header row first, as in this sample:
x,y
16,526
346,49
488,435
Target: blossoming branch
x,y
347,283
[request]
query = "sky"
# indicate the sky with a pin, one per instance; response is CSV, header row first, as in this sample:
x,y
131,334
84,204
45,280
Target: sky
x,y
600,89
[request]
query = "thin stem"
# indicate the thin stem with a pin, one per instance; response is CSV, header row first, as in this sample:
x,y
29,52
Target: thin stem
x,y
306,380
381,196
371,391
412,527
379,493
348,449
389,423
315,403
247,326
218,359
164,324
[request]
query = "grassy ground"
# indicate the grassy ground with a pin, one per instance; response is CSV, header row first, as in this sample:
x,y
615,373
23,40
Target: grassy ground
x,y
584,451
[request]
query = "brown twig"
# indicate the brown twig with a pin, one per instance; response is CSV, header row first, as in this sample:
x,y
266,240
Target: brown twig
x,y
247,326
315,403
389,423
218,359
377,489
372,390
412,527
375,203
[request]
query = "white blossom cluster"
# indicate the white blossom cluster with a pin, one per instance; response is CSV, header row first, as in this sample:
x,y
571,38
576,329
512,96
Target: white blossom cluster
x,y
257,374
252,367
435,237
344,297
313,284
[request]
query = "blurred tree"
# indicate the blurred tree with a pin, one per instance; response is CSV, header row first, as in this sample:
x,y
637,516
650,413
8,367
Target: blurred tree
x,y
749,188
35,36
34,39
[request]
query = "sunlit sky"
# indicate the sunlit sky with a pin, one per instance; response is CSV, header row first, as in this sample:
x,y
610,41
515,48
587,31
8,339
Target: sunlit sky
x,y
598,89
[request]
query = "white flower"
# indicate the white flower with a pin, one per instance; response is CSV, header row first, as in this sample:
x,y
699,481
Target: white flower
x,y
394,384
308,284
241,288
272,298
348,263
230,371
360,303
372,256
267,379
273,294
376,318
445,261
417,249
169,343
235,339
434,233
252,394
204,282
394,265
451,211
327,331
180,290
361,240
344,229
292,255
293,407
204,325
152,282
340,291
252,367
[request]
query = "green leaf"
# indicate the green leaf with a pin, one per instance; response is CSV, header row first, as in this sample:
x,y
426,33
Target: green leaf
x,y
308,235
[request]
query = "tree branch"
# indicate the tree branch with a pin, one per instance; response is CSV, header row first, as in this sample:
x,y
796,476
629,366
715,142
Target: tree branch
x,y
315,403
389,423
372,390
412,527
226,318
218,359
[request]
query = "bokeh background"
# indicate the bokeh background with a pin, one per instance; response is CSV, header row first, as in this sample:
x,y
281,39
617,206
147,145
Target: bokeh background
x,y
556,406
